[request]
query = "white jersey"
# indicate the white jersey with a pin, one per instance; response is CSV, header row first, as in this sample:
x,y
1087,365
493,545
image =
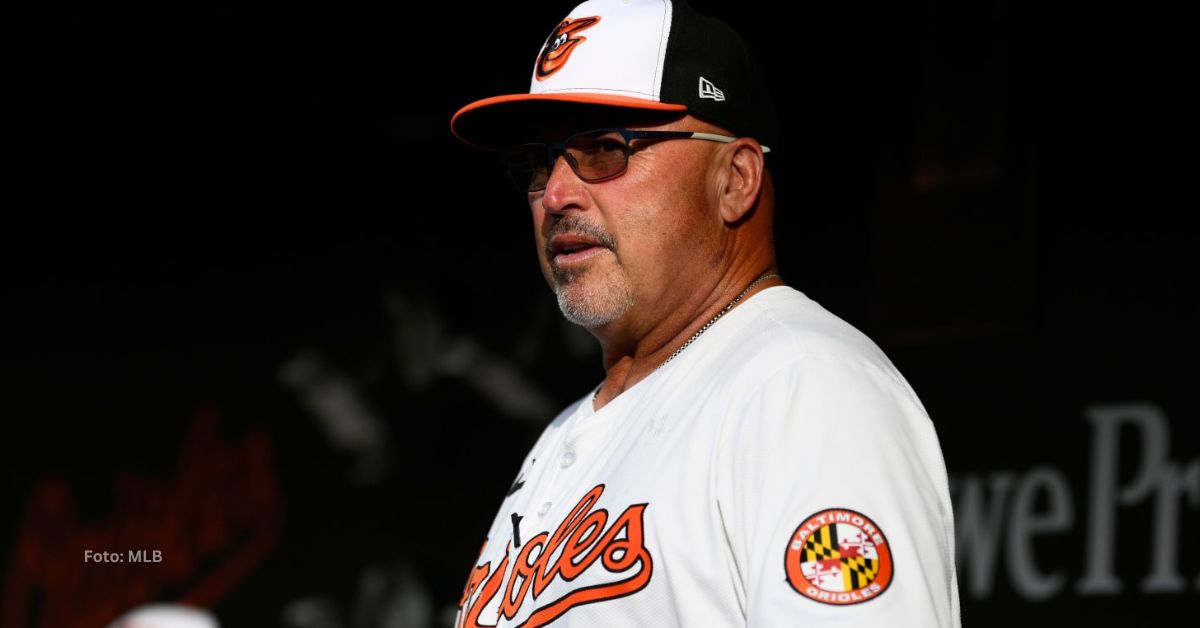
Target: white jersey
x,y
778,472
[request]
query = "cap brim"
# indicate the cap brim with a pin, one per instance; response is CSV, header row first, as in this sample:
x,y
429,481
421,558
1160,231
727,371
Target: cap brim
x,y
501,121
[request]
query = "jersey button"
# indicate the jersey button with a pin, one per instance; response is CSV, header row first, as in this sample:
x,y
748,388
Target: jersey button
x,y
544,509
568,459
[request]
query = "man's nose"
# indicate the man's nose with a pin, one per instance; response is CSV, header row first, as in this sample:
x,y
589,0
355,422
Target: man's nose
x,y
563,186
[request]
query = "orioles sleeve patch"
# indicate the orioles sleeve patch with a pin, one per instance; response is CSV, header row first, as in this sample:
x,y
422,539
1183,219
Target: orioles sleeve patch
x,y
838,556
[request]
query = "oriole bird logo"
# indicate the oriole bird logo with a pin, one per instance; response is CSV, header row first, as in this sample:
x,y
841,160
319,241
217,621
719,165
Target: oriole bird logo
x,y
561,43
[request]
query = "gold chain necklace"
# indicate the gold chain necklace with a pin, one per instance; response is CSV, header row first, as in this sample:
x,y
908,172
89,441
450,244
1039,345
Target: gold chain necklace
x,y
708,324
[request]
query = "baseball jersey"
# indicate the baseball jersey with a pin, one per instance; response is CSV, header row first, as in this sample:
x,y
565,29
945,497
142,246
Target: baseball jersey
x,y
778,472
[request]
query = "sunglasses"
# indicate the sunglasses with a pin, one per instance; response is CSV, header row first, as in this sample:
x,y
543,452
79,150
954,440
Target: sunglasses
x,y
594,155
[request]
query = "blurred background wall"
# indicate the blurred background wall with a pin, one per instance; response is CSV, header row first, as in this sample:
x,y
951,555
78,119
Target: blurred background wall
x,y
267,323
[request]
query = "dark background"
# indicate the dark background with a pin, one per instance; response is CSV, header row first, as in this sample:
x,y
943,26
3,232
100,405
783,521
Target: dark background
x,y
253,217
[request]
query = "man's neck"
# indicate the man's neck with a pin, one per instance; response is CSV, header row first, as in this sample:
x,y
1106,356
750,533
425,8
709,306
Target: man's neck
x,y
631,353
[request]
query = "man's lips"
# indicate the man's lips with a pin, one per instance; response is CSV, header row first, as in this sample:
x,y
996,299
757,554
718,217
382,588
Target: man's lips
x,y
571,247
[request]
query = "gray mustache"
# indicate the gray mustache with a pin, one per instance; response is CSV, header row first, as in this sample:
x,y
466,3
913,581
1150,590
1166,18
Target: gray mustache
x,y
574,224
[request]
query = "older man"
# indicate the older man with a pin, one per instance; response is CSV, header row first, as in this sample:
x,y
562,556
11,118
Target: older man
x,y
749,458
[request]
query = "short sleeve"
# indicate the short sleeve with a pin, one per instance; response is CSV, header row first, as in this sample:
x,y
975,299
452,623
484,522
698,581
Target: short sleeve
x,y
833,495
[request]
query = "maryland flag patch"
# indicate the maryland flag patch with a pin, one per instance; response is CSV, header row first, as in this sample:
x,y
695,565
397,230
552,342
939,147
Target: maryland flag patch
x,y
838,556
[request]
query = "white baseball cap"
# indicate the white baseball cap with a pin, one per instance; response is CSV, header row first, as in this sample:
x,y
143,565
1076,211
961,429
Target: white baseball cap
x,y
653,56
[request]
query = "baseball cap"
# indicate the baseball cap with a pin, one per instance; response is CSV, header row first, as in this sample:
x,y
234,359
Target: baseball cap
x,y
640,56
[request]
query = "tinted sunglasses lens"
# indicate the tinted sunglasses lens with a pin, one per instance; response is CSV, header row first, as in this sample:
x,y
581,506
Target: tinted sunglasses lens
x,y
593,156
599,155
526,166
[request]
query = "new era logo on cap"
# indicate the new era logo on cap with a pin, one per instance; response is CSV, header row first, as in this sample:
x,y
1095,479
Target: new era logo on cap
x,y
708,90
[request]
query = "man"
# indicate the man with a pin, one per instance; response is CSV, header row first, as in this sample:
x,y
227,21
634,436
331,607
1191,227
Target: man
x,y
749,458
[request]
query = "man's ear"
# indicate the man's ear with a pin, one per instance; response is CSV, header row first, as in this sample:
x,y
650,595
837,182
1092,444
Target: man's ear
x,y
741,167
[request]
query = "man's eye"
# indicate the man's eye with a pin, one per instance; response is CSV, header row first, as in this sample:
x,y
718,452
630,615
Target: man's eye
x,y
606,145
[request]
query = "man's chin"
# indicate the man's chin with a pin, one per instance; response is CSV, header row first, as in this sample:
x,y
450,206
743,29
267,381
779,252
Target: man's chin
x,y
591,308
588,318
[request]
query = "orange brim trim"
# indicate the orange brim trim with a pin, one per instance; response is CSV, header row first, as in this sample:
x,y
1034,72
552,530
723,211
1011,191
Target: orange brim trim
x,y
512,100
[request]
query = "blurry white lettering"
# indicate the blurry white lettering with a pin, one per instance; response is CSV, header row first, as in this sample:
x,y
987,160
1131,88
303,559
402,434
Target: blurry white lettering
x,y
1002,505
